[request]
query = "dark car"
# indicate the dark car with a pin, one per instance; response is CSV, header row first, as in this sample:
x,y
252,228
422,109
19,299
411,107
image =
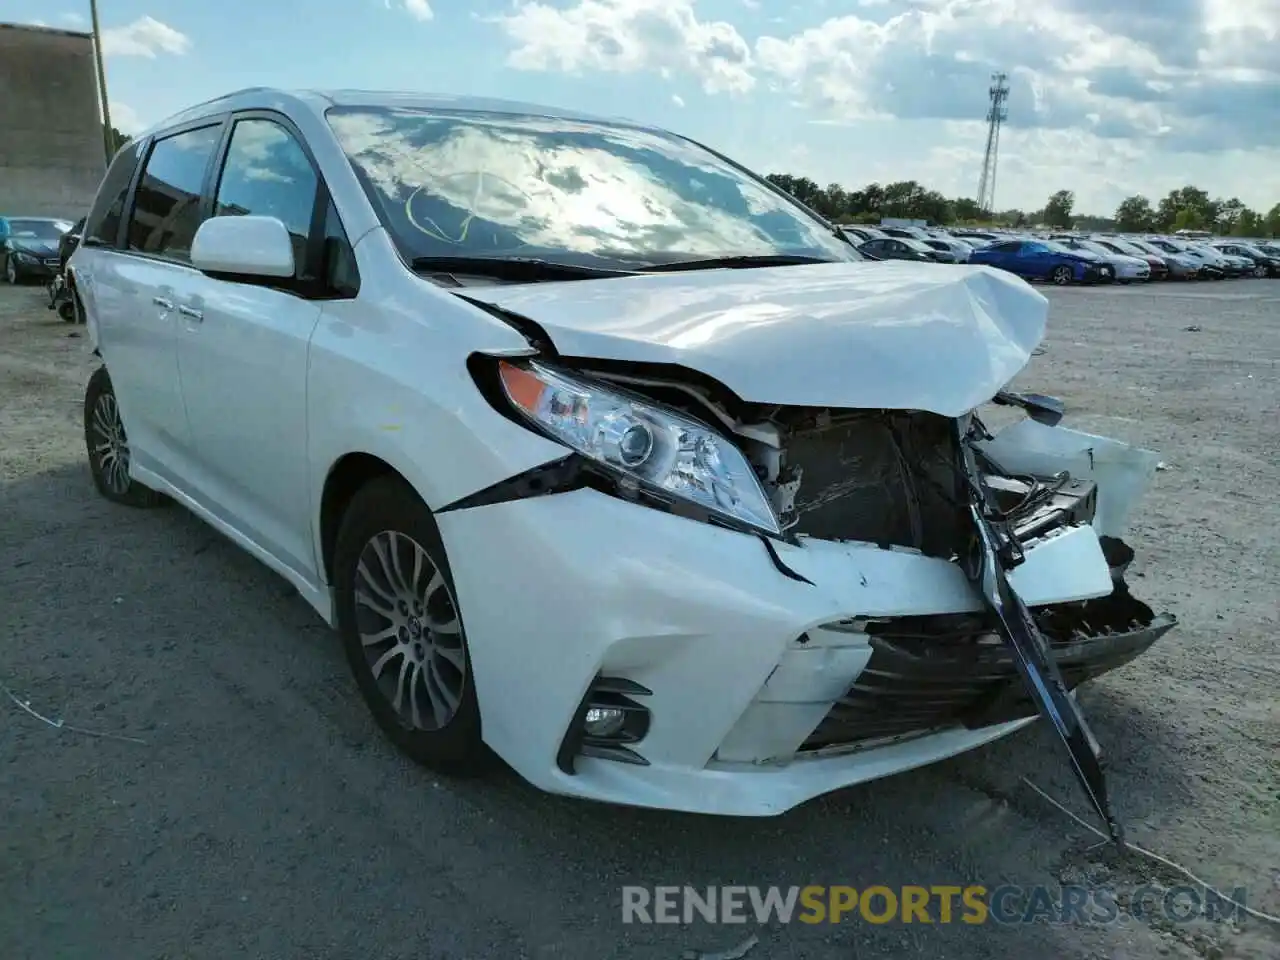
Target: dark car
x,y
29,247
1264,264
893,248
70,240
1045,260
946,251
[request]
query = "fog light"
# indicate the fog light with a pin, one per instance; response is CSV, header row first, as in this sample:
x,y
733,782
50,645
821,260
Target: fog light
x,y
604,721
608,723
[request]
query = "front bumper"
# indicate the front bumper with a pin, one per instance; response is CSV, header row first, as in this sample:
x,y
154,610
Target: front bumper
x,y
36,268
747,672
1098,273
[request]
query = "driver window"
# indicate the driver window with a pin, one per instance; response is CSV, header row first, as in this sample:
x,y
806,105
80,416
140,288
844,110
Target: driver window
x,y
267,174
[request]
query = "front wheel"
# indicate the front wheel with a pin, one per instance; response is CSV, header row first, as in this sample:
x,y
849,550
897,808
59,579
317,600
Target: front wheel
x,y
10,271
1259,271
402,629
1061,275
108,447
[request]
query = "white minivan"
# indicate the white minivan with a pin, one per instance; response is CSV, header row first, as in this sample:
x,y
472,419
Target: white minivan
x,y
600,452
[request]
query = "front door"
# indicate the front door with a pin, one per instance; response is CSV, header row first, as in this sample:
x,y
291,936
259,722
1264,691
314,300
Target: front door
x,y
242,356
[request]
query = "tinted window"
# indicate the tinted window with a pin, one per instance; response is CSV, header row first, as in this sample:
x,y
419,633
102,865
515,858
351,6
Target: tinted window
x,y
500,185
166,208
1005,246
340,273
103,223
267,174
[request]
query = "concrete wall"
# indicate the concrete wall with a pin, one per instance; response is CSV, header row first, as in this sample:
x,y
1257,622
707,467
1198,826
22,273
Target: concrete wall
x,y
51,151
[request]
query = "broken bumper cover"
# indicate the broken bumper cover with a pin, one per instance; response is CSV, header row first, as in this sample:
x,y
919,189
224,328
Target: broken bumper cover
x,y
756,690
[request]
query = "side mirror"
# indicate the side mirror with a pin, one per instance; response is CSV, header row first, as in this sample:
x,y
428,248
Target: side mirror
x,y
246,246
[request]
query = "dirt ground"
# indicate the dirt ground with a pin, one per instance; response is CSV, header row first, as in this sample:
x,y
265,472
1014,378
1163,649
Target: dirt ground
x,y
261,815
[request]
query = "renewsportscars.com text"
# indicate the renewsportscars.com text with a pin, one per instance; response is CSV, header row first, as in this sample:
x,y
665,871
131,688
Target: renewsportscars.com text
x,y
970,904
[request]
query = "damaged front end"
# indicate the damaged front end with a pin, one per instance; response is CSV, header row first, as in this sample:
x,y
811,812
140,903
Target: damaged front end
x,y
926,484
920,482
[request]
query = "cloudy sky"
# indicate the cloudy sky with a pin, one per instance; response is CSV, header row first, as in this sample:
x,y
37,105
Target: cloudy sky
x,y
1109,97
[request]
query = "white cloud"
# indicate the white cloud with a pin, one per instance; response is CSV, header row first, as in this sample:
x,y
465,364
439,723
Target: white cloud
x,y
418,9
1117,88
124,118
624,36
73,19
145,37
677,100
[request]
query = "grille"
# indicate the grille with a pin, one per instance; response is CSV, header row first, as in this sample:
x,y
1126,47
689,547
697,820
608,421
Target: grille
x,y
930,673
885,478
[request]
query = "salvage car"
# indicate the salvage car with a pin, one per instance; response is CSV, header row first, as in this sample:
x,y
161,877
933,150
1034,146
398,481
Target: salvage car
x,y
600,452
1262,263
29,247
895,248
1181,266
1128,268
1158,267
1045,260
1208,267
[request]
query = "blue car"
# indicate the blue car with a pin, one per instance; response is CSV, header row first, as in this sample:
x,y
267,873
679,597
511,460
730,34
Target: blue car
x,y
1045,260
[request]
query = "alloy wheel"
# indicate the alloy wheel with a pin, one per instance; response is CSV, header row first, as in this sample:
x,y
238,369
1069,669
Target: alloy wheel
x,y
10,271
110,447
409,628
1259,271
1061,275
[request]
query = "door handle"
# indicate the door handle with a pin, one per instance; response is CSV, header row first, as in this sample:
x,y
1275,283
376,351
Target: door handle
x,y
191,312
162,302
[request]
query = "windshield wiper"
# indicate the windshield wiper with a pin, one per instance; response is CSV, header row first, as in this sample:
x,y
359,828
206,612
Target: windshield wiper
x,y
737,263
512,268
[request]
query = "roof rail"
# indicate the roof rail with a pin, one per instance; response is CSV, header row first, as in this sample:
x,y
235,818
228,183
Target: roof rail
x,y
226,96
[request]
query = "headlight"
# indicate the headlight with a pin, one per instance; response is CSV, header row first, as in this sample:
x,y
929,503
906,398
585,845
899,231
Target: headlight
x,y
661,449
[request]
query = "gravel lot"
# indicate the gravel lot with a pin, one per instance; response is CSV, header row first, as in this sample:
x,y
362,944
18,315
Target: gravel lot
x,y
263,816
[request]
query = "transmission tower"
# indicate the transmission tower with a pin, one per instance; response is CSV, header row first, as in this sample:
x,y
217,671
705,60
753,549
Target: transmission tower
x,y
997,114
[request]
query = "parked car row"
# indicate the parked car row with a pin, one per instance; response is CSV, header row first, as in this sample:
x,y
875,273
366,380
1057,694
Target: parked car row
x,y
1064,258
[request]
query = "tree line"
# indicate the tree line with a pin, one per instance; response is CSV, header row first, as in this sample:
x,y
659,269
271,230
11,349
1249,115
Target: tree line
x,y
1187,208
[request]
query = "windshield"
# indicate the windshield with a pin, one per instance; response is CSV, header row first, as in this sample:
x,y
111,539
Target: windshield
x,y
38,229
449,184
918,245
1055,246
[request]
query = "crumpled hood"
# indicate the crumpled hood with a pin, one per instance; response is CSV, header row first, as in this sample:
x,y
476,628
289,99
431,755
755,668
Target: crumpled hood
x,y
887,335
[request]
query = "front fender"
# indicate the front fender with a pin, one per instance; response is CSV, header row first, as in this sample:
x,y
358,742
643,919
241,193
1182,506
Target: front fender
x,y
1122,472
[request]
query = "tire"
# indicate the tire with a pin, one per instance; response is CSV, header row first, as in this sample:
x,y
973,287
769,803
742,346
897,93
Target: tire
x,y
1260,271
67,311
11,272
1061,275
109,465
387,514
